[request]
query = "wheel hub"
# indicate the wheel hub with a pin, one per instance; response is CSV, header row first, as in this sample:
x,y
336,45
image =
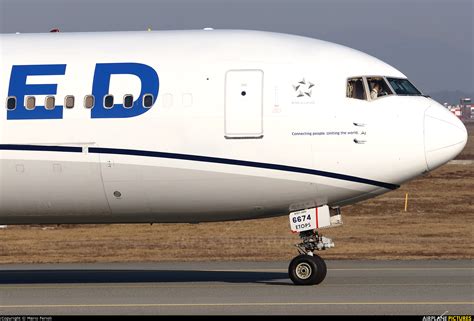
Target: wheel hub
x,y
303,271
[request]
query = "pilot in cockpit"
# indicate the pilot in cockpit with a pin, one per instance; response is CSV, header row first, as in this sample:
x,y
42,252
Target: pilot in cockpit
x,y
374,92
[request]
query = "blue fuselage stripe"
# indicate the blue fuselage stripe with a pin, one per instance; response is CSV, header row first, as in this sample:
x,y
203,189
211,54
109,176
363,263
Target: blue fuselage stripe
x,y
196,158
68,149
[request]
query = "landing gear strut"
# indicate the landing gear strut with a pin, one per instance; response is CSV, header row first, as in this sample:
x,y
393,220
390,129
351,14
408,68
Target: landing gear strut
x,y
308,268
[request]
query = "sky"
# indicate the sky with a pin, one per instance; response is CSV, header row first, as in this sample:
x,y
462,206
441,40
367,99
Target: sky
x,y
430,41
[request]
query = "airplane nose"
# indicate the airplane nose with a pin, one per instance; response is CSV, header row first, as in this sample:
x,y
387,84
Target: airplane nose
x,y
445,136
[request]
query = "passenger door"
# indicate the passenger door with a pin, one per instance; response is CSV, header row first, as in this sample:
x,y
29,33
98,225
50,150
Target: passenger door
x,y
244,104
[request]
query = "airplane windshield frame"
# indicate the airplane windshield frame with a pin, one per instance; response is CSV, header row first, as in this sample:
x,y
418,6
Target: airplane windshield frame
x,y
403,87
378,87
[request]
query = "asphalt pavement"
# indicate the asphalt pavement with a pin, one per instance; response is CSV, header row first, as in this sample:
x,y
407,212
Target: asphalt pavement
x,y
351,287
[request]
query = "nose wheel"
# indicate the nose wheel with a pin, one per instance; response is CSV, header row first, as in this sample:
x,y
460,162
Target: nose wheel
x,y
307,270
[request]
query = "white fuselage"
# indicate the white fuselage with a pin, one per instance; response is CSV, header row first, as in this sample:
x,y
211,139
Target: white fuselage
x,y
245,125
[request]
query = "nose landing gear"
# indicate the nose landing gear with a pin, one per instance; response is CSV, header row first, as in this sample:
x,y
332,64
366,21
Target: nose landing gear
x,y
308,268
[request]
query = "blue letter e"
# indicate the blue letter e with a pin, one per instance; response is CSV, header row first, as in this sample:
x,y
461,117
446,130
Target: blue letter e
x,y
19,89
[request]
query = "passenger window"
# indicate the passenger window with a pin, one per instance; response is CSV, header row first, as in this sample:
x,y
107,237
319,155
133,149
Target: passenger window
x,y
30,102
69,102
187,100
11,103
108,101
147,100
89,101
378,87
356,89
128,101
49,102
167,100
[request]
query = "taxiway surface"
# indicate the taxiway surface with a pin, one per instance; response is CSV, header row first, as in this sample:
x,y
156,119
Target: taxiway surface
x,y
351,287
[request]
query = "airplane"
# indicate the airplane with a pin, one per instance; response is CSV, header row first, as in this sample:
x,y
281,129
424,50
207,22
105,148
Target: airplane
x,y
205,126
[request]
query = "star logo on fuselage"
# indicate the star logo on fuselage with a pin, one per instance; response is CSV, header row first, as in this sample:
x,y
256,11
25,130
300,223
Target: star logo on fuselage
x,y
303,88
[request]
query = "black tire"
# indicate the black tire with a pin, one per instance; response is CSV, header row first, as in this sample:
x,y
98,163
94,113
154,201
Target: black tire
x,y
307,270
323,269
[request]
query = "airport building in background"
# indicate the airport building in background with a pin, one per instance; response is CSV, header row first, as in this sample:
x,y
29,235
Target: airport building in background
x,y
464,110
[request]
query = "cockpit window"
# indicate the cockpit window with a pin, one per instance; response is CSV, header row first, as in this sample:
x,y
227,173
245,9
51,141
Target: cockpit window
x,y
403,87
373,87
356,89
378,87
